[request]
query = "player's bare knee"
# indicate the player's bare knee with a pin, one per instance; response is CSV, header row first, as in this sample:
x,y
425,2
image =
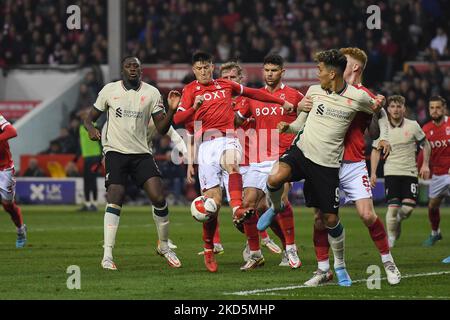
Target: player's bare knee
x,y
115,194
330,220
434,203
368,216
318,223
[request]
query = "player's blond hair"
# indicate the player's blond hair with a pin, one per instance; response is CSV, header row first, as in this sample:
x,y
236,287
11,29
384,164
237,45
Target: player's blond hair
x,y
356,54
396,98
231,65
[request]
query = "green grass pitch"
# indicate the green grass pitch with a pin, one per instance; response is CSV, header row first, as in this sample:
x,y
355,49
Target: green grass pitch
x,y
58,237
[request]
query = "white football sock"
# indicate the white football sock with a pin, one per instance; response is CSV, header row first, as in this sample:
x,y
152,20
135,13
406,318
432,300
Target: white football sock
x,y
391,221
162,227
111,224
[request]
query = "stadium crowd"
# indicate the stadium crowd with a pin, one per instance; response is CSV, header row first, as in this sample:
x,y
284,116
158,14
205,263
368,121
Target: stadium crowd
x,y
165,32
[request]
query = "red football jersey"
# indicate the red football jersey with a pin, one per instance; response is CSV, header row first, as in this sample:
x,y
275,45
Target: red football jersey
x,y
439,137
6,160
354,143
216,111
267,116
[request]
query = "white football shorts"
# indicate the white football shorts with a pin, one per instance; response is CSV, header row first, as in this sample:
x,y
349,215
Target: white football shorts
x,y
7,184
210,173
439,186
354,181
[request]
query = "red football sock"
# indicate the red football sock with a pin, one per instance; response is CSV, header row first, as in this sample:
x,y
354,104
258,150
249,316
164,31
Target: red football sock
x,y
235,189
15,213
434,215
252,233
209,229
379,237
263,234
287,223
321,244
276,228
216,238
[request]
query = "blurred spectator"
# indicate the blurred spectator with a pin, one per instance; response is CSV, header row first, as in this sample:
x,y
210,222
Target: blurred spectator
x,y
33,169
173,175
54,148
71,170
439,42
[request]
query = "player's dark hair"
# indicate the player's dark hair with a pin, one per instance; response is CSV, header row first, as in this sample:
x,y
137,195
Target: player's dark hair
x,y
128,57
274,59
201,56
332,58
438,98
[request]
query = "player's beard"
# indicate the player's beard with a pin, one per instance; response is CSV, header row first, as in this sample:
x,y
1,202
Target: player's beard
x,y
437,119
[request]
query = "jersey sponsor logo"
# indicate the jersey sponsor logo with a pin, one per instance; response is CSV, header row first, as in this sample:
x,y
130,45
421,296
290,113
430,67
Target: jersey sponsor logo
x,y
440,143
320,109
269,111
123,113
215,95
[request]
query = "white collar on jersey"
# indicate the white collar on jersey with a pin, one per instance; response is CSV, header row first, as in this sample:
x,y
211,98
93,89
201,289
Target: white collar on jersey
x,y
281,87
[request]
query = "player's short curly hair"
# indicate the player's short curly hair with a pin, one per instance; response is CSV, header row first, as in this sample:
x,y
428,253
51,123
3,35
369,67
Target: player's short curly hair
x,y
274,59
396,98
332,58
356,54
231,65
438,98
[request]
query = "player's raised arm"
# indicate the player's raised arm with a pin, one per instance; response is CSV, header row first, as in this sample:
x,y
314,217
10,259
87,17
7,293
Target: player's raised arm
x,y
163,120
259,95
187,106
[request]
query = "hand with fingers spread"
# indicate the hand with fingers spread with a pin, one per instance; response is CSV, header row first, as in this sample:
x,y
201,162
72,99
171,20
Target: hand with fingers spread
x,y
380,100
385,147
173,99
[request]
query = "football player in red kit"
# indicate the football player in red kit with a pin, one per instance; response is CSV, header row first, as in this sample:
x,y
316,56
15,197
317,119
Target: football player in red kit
x,y
270,145
8,183
210,101
438,134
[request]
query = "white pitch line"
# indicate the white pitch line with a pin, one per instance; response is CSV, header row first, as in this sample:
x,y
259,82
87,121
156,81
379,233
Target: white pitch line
x,y
259,291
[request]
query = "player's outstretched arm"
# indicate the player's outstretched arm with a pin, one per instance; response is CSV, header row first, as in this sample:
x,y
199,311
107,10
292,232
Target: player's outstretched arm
x,y
425,168
295,126
8,132
260,95
88,122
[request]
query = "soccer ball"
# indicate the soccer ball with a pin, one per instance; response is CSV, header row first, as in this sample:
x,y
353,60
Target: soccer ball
x,y
202,208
